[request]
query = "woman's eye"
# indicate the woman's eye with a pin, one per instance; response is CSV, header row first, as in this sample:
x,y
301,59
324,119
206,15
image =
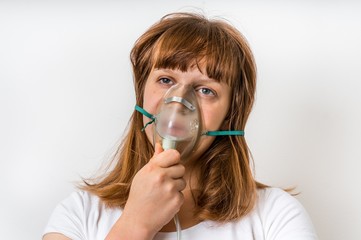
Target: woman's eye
x,y
206,91
166,81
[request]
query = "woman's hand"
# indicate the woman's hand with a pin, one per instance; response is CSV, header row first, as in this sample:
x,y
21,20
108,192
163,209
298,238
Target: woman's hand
x,y
155,196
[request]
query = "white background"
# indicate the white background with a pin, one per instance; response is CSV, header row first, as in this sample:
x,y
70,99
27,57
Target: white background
x,y
66,95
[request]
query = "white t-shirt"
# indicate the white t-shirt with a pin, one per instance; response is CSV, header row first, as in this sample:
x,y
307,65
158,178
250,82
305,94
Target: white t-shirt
x,y
276,216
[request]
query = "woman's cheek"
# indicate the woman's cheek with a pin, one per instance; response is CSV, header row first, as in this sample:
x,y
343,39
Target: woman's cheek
x,y
211,119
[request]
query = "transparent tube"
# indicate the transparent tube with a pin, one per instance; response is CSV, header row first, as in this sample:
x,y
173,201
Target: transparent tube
x,y
178,227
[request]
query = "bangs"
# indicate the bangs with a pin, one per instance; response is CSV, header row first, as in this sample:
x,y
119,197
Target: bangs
x,y
190,43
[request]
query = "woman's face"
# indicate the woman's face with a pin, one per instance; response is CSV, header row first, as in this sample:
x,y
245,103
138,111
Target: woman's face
x,y
213,98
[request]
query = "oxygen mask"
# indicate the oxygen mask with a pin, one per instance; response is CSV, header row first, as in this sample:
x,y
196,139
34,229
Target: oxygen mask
x,y
178,120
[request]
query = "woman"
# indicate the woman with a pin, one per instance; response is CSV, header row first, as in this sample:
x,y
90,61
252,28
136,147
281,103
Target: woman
x,y
206,183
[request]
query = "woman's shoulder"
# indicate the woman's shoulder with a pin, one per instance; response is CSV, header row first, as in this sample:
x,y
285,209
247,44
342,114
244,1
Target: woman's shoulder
x,y
80,215
86,203
82,197
270,194
272,201
78,201
282,214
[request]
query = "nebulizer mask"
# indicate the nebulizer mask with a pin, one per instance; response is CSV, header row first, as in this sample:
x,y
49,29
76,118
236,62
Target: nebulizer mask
x,y
178,124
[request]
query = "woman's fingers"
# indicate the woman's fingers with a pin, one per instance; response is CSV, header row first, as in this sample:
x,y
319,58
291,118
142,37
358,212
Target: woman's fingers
x,y
176,171
165,158
168,163
157,149
180,184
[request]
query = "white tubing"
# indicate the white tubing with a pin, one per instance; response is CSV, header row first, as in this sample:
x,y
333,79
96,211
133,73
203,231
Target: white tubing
x,y
177,226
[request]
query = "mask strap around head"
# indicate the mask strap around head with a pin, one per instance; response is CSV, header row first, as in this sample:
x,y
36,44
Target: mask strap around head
x,y
145,113
225,133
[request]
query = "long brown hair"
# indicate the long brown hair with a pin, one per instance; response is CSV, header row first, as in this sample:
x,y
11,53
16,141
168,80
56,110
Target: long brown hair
x,y
226,188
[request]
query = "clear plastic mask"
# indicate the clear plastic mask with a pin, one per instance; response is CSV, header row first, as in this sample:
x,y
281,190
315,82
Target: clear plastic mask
x,y
178,120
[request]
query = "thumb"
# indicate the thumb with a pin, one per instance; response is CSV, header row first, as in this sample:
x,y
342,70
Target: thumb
x,y
158,148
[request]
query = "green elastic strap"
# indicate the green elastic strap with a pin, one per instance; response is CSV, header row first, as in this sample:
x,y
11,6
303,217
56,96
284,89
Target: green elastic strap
x,y
225,133
145,113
